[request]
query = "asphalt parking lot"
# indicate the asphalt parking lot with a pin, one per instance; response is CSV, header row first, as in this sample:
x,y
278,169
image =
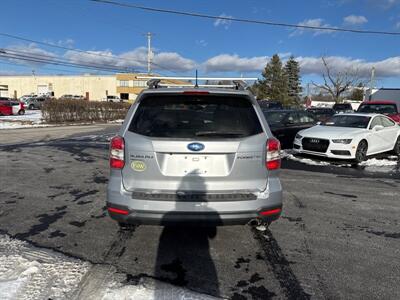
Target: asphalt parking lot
x,y
338,238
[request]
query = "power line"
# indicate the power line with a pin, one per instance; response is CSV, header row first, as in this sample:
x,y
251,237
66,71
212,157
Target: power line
x,y
55,62
57,59
40,67
243,20
80,51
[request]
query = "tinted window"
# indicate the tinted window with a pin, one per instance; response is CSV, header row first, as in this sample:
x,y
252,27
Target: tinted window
x,y
275,117
387,122
348,121
305,117
292,118
378,108
343,106
375,121
195,117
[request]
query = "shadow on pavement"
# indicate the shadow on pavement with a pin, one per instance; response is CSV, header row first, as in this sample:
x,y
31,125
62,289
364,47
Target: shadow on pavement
x,y
183,255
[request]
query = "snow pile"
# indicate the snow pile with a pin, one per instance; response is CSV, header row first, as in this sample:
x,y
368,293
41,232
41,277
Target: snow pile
x,y
288,154
30,273
373,162
31,118
383,164
27,272
150,289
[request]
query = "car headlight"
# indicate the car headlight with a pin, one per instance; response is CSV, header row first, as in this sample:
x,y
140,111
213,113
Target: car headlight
x,y
342,141
298,136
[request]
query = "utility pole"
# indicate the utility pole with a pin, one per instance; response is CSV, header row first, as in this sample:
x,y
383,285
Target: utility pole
x,y
372,83
149,52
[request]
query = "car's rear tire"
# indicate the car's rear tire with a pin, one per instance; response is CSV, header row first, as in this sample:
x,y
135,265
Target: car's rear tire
x,y
396,148
31,107
21,112
361,152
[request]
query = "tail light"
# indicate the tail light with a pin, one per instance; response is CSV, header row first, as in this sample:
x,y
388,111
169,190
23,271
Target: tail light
x,y
117,211
117,156
273,157
270,212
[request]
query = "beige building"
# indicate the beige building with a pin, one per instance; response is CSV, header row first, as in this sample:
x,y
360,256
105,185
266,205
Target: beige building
x,y
92,87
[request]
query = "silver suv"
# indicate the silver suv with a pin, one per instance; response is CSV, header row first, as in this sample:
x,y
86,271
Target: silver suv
x,y
198,155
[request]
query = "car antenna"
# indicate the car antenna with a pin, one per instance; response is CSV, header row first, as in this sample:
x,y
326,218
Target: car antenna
x,y
196,85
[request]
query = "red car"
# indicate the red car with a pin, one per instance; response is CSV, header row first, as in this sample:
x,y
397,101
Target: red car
x,y
385,107
8,108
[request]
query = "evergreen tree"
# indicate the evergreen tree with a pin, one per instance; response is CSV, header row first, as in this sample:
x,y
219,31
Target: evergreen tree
x,y
292,71
274,86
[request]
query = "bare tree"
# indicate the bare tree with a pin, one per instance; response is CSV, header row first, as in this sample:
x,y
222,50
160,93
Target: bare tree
x,y
337,83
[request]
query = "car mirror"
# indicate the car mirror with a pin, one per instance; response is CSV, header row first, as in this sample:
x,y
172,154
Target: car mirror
x,y
378,128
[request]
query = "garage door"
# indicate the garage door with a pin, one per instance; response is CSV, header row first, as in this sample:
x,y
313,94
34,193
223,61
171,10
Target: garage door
x,y
42,89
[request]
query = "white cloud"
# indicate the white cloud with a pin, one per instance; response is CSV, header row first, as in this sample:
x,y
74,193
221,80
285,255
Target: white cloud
x,y
234,63
313,23
223,22
30,52
136,59
68,42
354,20
389,67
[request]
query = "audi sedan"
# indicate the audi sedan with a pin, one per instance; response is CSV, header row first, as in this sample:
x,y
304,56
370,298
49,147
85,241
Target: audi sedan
x,y
350,137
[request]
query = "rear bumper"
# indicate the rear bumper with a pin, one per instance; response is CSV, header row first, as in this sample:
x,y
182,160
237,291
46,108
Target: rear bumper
x,y
193,218
125,209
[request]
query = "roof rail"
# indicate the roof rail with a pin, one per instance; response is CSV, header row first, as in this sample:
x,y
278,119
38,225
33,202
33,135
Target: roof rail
x,y
238,83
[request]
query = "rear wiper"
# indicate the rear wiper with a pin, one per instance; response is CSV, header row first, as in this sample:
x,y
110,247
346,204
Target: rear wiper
x,y
213,133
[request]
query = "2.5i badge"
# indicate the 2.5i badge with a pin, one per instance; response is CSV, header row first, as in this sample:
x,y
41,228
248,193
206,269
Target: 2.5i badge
x,y
138,165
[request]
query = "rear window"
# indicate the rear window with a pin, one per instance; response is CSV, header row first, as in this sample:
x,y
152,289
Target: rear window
x,y
378,108
342,106
184,116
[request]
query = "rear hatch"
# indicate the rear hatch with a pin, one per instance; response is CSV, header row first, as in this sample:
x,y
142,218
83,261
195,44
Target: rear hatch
x,y
200,143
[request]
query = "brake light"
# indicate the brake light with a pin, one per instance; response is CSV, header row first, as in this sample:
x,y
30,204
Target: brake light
x,y
117,211
117,156
273,157
196,93
270,212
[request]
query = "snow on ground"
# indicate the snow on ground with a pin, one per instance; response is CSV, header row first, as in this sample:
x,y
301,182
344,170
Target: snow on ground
x,y
384,164
28,272
31,118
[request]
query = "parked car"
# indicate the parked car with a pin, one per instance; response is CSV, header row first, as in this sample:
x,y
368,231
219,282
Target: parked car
x,y
78,97
342,108
350,136
203,156
66,97
321,114
8,108
34,103
25,97
268,104
285,124
113,99
388,108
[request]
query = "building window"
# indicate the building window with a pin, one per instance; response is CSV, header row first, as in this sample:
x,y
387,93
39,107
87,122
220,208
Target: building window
x,y
139,83
124,96
124,83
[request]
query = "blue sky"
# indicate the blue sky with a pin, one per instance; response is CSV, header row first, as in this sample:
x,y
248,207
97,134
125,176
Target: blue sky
x,y
218,48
